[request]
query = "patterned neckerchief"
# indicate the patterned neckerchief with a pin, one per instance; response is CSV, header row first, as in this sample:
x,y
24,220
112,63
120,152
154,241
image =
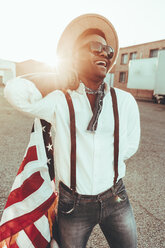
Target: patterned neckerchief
x,y
92,126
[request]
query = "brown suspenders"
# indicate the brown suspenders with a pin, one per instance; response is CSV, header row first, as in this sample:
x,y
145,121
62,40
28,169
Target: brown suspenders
x,y
73,142
116,133
73,138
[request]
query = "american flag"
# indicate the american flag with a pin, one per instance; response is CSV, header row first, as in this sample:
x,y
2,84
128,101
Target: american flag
x,y
29,213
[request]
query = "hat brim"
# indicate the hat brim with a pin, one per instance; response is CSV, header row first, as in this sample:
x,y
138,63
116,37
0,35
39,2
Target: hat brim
x,y
76,27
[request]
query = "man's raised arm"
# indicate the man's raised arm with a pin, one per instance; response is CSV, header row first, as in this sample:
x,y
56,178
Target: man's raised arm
x,y
28,94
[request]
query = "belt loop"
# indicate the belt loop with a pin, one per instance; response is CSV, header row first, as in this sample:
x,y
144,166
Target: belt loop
x,y
78,197
98,197
113,189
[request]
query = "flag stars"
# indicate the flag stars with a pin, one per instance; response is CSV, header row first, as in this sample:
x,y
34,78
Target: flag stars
x,y
48,160
43,129
50,147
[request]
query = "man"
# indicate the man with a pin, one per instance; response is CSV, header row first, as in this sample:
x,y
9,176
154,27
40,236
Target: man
x,y
90,159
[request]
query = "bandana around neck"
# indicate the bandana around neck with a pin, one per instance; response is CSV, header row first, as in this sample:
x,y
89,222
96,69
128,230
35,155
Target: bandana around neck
x,y
92,126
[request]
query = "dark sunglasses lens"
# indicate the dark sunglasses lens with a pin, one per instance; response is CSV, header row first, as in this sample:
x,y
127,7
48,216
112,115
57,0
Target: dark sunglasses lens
x,y
110,55
109,51
95,47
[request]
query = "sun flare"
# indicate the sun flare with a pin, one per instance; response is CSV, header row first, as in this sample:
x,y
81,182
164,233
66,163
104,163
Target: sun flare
x,y
52,61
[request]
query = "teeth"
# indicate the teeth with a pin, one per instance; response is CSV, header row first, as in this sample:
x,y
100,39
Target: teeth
x,y
100,62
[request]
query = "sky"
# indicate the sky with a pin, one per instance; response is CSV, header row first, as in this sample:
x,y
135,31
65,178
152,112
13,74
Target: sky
x,y
30,29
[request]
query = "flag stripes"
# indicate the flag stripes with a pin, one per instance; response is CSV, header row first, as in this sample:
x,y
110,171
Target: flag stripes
x,y
30,156
35,236
43,229
23,241
29,204
14,225
25,220
29,186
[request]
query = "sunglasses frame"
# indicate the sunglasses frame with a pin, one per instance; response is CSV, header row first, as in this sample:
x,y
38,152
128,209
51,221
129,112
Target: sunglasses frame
x,y
96,47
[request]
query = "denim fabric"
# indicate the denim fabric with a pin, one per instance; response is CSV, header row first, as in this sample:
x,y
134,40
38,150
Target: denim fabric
x,y
78,214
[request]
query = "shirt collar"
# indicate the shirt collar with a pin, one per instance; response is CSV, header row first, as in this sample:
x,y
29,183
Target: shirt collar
x,y
81,88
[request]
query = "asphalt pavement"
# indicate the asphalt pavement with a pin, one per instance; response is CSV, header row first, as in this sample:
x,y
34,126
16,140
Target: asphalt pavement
x,y
144,178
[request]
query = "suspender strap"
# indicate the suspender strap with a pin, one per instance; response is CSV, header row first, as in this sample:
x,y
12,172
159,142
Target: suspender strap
x,y
73,142
116,133
73,138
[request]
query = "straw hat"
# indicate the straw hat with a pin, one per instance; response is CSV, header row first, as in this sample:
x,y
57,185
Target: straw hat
x,y
76,27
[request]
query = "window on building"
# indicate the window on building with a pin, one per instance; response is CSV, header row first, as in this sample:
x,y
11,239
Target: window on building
x,y
133,55
154,53
124,58
122,77
141,55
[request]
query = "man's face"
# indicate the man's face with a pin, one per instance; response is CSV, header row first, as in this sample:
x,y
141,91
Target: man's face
x,y
91,65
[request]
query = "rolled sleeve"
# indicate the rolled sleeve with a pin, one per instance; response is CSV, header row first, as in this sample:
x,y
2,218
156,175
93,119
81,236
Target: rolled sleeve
x,y
23,95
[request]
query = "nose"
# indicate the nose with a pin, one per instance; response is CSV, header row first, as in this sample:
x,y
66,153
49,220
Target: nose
x,y
103,53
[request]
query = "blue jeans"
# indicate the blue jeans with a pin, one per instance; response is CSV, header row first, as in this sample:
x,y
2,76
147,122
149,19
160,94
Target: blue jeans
x,y
78,214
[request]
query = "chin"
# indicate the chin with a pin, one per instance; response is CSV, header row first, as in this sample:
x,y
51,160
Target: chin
x,y
101,76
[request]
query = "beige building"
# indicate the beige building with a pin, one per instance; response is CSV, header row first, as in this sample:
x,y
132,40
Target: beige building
x,y
7,71
121,70
32,66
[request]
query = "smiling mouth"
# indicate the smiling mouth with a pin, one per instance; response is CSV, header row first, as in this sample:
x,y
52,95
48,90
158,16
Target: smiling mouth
x,y
101,63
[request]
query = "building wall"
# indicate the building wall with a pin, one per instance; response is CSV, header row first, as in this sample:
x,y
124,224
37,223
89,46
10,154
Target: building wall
x,y
142,51
32,66
7,70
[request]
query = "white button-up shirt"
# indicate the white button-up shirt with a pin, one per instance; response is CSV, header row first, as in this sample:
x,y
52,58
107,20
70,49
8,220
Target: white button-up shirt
x,y
95,150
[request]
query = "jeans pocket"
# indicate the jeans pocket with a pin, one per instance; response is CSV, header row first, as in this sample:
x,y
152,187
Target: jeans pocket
x,y
66,204
121,196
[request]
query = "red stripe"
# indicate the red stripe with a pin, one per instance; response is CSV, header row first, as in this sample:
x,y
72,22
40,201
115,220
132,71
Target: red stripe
x,y
29,186
31,155
13,226
36,237
14,245
9,245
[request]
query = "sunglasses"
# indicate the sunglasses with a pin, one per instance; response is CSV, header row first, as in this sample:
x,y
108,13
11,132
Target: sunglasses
x,y
96,47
